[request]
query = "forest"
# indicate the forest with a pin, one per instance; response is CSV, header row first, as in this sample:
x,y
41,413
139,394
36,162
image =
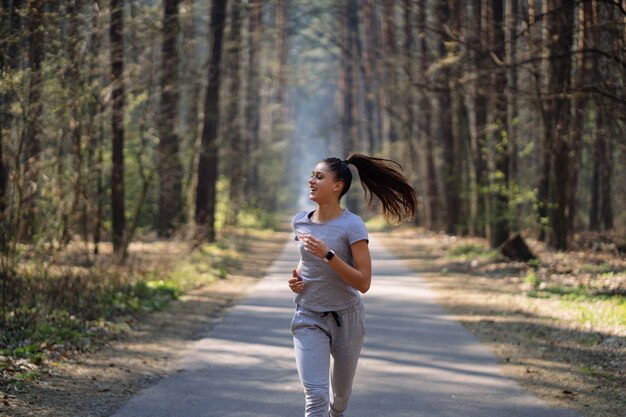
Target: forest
x,y
119,117
131,121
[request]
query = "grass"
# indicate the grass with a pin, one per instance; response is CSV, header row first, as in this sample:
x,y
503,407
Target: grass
x,y
585,306
467,251
55,310
597,372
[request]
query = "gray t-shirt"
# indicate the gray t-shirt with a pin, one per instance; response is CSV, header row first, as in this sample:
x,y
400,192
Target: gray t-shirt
x,y
324,290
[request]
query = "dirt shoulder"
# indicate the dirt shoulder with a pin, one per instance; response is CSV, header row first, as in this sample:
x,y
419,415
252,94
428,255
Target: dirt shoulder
x,y
96,384
538,342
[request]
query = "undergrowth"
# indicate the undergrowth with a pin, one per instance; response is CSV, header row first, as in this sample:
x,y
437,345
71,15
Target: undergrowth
x,y
50,311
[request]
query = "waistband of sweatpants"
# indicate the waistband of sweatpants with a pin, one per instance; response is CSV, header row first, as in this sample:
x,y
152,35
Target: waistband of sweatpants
x,y
354,307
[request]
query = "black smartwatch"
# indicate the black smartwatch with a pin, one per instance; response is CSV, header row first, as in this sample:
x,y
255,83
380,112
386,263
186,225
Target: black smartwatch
x,y
329,256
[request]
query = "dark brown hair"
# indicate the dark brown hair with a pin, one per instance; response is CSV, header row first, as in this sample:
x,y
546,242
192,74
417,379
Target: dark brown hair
x,y
380,177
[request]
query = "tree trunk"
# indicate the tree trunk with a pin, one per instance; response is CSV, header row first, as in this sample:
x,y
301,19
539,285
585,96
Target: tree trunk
x,y
207,166
191,89
117,127
476,113
75,120
579,108
11,22
391,94
499,142
253,99
445,131
348,99
369,60
561,17
95,132
432,199
233,117
510,48
170,166
33,129
409,138
545,168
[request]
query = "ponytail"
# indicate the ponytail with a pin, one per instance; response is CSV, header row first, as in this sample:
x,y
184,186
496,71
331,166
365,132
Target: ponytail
x,y
382,178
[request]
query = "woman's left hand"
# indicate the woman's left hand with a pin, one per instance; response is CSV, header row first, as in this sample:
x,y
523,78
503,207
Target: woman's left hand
x,y
314,245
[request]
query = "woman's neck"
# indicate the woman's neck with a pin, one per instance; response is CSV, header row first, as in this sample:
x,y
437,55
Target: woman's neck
x,y
327,212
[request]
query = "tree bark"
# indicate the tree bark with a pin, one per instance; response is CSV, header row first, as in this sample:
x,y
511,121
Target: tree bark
x,y
369,60
476,113
170,166
75,86
33,129
432,204
579,108
510,50
117,127
390,91
499,179
444,120
11,22
408,121
545,189
233,117
561,17
207,166
253,99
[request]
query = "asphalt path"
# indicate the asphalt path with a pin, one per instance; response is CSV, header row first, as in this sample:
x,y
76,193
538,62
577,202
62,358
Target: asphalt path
x,y
416,361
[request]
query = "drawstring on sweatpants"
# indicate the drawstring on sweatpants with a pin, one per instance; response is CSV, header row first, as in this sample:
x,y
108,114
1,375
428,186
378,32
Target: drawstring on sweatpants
x,y
335,316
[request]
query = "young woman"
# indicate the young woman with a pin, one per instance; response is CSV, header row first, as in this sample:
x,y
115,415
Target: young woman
x,y
335,266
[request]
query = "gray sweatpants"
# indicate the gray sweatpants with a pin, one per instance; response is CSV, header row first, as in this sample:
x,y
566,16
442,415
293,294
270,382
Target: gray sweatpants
x,y
316,337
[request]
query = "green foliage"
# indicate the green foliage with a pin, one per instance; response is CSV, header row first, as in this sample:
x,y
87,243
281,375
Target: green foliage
x,y
589,306
27,335
256,218
597,372
471,251
145,296
65,310
532,279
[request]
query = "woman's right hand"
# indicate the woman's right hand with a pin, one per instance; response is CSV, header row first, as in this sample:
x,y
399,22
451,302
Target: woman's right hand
x,y
295,283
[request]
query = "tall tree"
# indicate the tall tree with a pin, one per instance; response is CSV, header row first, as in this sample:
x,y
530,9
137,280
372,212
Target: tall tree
x,y
33,128
579,105
499,138
433,204
207,165
544,189
476,103
116,34
171,170
369,59
510,51
233,113
10,21
562,21
444,122
408,116
252,115
389,88
349,31
74,84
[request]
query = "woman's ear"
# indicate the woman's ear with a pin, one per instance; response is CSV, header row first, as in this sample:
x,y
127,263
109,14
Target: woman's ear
x,y
338,186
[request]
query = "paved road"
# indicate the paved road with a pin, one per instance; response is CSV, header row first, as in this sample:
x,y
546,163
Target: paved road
x,y
416,362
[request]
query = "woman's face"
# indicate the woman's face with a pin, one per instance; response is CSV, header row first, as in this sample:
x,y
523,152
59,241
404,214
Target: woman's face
x,y
322,185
